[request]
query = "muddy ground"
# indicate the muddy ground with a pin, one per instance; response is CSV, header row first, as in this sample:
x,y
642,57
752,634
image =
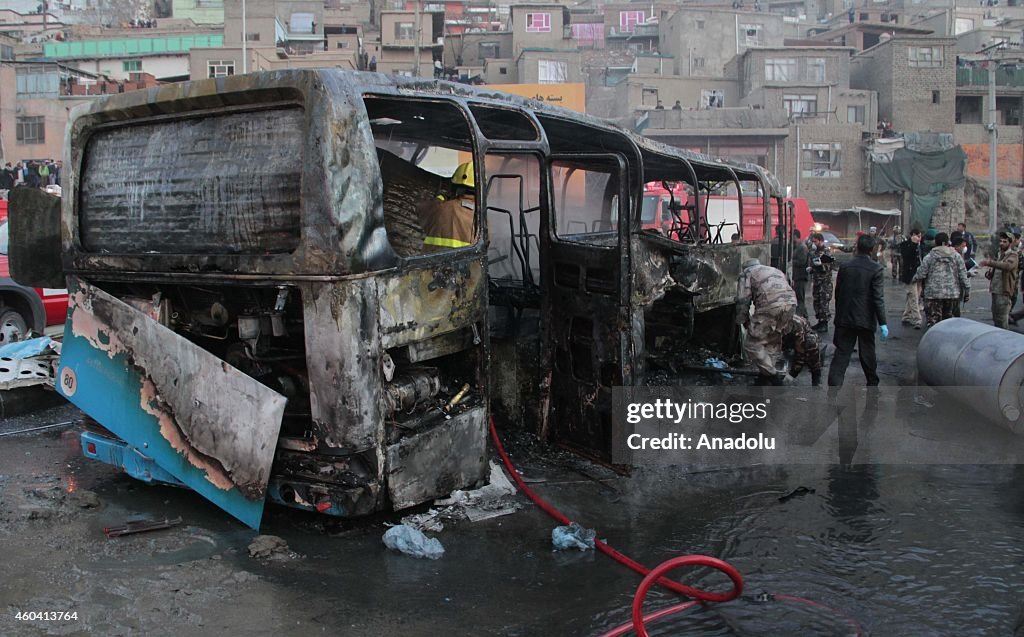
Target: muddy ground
x,y
498,577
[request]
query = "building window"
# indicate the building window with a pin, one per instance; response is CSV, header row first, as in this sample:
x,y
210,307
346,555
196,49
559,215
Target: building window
x,y
855,114
252,37
800,105
629,19
815,71
220,68
37,81
700,25
538,22
820,160
6,52
780,70
552,72
712,98
936,97
302,23
502,70
924,56
751,35
698,64
404,31
342,45
131,66
30,130
489,50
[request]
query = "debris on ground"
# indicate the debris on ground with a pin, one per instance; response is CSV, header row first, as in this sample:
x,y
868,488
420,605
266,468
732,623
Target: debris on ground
x,y
270,547
86,499
495,499
140,526
573,536
411,541
797,492
718,363
28,363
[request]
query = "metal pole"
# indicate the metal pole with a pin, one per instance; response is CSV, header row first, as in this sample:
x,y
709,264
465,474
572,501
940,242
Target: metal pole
x,y
245,40
798,157
417,33
993,147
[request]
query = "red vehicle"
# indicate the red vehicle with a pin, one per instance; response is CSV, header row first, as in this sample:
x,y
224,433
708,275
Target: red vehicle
x,y
25,309
721,213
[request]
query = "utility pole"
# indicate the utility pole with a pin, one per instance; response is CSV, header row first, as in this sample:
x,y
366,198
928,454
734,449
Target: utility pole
x,y
245,42
417,33
993,147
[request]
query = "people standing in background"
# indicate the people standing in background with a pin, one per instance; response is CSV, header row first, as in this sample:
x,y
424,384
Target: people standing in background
x,y
911,254
799,264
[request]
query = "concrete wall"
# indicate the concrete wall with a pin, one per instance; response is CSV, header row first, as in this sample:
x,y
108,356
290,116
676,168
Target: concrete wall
x,y
528,64
493,71
1009,160
835,193
467,46
187,9
643,91
837,66
163,66
523,39
259,18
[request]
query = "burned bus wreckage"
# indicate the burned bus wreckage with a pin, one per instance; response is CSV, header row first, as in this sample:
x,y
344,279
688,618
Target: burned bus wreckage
x,y
257,311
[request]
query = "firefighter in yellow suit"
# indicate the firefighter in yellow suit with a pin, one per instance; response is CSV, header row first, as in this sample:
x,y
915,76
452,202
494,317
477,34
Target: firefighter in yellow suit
x,y
448,223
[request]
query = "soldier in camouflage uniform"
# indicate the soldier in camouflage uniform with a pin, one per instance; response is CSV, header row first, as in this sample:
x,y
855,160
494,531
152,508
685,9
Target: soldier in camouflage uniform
x,y
803,341
774,304
819,264
945,281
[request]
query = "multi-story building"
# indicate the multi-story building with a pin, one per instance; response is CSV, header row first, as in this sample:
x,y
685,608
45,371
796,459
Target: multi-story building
x,y
119,53
35,98
915,78
403,42
278,34
703,41
543,49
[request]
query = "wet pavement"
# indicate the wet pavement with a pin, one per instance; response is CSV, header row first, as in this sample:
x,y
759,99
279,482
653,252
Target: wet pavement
x,y
905,550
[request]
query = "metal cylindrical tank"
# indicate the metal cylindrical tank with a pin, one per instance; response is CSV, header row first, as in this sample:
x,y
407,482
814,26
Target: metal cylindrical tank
x,y
960,352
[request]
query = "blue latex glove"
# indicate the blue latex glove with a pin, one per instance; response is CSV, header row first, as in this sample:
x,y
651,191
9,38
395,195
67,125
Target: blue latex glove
x,y
884,329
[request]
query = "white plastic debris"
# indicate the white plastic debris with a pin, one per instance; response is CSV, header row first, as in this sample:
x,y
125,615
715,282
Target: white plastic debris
x,y
573,536
410,541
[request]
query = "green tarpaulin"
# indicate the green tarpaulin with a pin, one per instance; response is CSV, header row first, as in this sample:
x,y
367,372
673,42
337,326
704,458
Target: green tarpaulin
x,y
924,175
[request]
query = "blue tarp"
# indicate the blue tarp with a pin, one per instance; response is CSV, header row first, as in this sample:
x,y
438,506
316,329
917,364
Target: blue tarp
x,y
26,349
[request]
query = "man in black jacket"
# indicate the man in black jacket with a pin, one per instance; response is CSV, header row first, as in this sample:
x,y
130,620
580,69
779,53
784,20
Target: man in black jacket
x,y
910,256
860,305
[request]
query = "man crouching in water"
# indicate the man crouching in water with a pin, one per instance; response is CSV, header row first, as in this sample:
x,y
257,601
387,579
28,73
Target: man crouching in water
x,y
774,304
801,338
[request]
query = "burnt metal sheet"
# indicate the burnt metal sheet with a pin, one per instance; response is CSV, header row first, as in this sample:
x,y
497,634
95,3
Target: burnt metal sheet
x,y
200,419
436,462
341,217
34,238
420,303
220,184
343,357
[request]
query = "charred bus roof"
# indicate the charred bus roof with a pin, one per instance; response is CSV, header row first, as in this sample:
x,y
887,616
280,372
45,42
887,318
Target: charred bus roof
x,y
275,173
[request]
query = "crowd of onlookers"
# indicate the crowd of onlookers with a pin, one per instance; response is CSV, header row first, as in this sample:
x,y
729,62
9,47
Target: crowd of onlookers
x,y
32,173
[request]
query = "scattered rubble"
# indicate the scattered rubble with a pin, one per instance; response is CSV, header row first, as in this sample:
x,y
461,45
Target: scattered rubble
x,y
270,547
411,541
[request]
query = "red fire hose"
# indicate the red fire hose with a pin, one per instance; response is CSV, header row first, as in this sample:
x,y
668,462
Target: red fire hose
x,y
654,576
